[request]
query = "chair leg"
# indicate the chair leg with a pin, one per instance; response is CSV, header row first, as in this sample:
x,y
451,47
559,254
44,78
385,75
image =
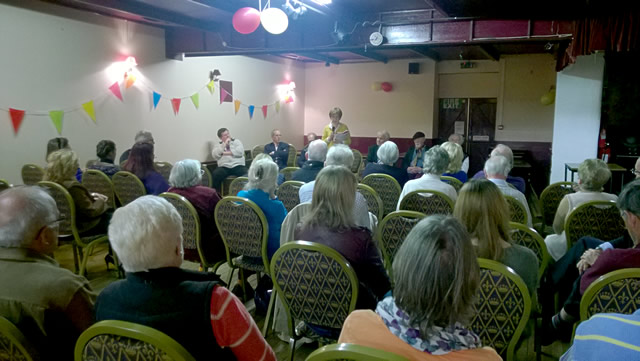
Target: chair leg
x,y
76,264
292,347
270,311
230,277
243,283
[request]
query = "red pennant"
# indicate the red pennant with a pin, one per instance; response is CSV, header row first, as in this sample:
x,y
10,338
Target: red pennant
x,y
175,102
115,89
264,110
16,118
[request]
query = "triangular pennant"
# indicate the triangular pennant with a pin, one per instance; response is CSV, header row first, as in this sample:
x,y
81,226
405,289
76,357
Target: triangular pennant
x,y
156,99
237,103
115,89
251,108
277,106
211,87
264,110
88,107
16,118
56,118
130,80
223,95
175,102
195,98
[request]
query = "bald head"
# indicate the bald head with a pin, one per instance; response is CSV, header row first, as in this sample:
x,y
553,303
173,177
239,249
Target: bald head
x,y
504,151
23,213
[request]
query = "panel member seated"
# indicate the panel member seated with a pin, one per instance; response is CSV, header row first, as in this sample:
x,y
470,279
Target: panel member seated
x,y
387,157
372,154
316,155
279,151
302,157
229,153
412,161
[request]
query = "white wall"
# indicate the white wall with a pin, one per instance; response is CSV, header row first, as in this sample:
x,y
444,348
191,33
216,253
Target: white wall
x,y
577,113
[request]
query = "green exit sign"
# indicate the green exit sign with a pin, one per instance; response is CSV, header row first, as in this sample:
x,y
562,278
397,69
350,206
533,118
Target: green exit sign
x,y
467,65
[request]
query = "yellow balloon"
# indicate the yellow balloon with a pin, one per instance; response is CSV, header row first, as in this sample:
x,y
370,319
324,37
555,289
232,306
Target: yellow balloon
x,y
375,86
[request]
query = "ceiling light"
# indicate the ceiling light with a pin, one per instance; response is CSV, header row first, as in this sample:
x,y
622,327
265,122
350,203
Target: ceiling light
x,y
322,2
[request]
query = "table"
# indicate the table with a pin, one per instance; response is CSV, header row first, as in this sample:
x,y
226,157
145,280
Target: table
x,y
614,168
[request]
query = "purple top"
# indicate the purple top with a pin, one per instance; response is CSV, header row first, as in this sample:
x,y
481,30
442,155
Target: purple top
x,y
154,183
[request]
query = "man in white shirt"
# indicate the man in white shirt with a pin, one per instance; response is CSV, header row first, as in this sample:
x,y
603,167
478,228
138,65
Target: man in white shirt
x,y
229,154
496,169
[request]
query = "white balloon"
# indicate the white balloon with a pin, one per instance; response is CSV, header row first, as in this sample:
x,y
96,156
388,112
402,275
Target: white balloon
x,y
274,20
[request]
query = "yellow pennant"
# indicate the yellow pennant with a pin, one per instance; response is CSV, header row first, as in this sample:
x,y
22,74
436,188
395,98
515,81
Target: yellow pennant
x,y
211,87
88,107
237,104
130,80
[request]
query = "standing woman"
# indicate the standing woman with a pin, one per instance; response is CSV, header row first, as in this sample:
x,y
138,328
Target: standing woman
x,y
140,163
336,132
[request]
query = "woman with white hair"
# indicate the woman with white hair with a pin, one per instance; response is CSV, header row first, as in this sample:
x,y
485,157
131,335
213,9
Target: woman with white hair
x,y
456,156
186,180
387,157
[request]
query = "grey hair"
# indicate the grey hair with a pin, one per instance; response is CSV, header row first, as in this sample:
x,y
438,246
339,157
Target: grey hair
x,y
385,134
497,165
24,210
593,174
504,151
186,173
436,274
388,153
263,175
340,154
456,138
629,199
317,150
455,156
273,131
436,160
144,136
145,233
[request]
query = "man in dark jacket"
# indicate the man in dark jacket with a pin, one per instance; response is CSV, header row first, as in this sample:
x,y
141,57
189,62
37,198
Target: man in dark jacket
x,y
316,155
412,161
278,150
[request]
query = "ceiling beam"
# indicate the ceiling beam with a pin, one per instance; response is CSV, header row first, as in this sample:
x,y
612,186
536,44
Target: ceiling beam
x,y
371,55
319,57
490,52
433,55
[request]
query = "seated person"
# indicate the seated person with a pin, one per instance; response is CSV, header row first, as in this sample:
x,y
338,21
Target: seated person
x,y
302,157
229,154
436,277
316,155
141,164
455,161
142,136
506,152
482,209
336,132
496,170
372,154
593,174
193,308
387,157
49,304
459,139
330,222
106,152
61,143
436,161
279,151
412,161
186,180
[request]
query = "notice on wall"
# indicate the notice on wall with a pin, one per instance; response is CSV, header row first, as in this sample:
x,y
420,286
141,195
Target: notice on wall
x,y
459,127
480,138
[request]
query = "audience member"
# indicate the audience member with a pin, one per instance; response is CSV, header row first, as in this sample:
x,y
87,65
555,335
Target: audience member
x,y
49,304
194,308
636,169
593,174
506,152
316,155
372,154
141,164
336,132
436,276
455,161
413,159
142,136
279,151
496,169
229,154
386,159
106,152
484,211
59,143
459,139
302,157
436,161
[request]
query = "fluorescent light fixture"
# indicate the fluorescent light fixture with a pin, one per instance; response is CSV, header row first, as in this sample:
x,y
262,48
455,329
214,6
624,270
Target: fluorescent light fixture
x,y
322,2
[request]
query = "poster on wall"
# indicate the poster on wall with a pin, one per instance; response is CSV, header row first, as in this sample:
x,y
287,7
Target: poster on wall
x,y
226,91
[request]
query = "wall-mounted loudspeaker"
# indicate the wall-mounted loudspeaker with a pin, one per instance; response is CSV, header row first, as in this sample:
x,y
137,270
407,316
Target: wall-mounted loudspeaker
x,y
414,68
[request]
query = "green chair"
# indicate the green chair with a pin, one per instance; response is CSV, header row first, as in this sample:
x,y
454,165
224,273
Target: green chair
x,y
599,219
291,160
427,201
550,199
373,200
617,291
164,168
258,149
288,172
530,238
517,210
315,284
4,185
68,228
387,188
452,181
207,181
357,161
127,187
288,193
502,308
32,174
237,184
13,345
98,182
392,231
119,340
351,352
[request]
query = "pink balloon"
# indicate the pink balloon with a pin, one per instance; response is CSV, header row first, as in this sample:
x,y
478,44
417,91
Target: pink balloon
x,y
387,87
246,20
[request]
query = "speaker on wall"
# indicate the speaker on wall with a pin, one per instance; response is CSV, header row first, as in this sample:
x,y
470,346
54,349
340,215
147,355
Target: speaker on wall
x,y
414,68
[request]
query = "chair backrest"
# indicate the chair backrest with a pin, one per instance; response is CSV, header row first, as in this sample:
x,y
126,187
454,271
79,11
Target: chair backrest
x,y
66,208
357,160
373,200
452,181
13,345
243,228
387,188
127,187
288,172
392,231
529,237
315,283
517,210
617,291
427,201
599,219
4,185
191,237
32,174
164,168
207,180
291,221
293,154
351,352
237,185
288,193
550,199
120,340
98,182
502,308
258,149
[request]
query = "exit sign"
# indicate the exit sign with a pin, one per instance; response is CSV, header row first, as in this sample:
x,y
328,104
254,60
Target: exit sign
x,y
467,65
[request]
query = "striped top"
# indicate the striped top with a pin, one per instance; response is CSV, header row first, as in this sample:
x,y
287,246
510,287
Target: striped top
x,y
605,335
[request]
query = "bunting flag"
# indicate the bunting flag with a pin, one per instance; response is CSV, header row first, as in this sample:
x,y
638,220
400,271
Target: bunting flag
x,y
277,106
226,91
115,89
88,107
195,98
264,110
251,108
130,80
156,99
175,102
237,103
56,118
211,87
16,119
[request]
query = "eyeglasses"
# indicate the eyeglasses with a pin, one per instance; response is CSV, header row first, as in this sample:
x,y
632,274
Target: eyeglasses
x,y
634,172
56,223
